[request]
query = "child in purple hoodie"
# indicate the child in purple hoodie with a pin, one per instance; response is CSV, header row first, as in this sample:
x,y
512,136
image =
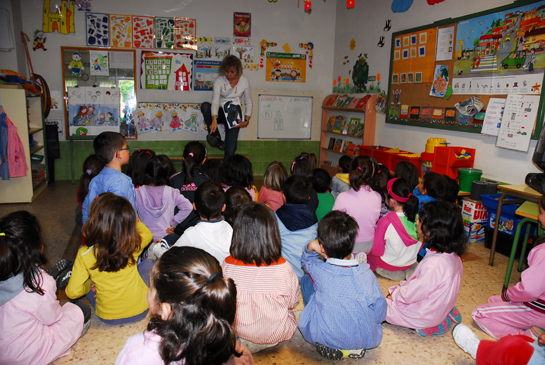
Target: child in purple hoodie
x,y
156,201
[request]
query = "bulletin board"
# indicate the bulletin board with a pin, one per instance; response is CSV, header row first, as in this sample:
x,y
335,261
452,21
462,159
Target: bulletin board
x,y
284,117
486,54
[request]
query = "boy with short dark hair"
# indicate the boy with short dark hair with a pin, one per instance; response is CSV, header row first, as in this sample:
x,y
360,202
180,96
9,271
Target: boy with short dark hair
x,y
212,234
344,305
111,148
296,222
340,182
321,181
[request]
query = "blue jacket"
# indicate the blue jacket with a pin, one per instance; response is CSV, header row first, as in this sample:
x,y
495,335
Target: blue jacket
x,y
347,308
423,199
298,226
109,180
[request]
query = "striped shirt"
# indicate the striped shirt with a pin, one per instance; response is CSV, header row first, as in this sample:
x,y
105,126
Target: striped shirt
x,y
266,298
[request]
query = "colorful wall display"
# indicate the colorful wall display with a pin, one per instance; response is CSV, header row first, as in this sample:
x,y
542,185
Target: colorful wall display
x,y
121,31
98,63
205,74
244,53
164,32
98,29
61,20
167,70
185,31
284,67
242,24
415,52
168,118
92,110
143,31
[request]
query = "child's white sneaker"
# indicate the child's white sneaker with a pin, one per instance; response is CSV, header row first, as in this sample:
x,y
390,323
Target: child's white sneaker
x,y
361,258
466,339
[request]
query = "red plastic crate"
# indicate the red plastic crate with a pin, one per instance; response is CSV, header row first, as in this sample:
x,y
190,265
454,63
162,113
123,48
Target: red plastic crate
x,y
397,158
369,150
446,163
385,158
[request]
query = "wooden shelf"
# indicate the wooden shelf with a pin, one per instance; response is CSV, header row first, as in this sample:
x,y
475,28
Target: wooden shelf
x,y
343,109
33,130
340,153
36,148
340,134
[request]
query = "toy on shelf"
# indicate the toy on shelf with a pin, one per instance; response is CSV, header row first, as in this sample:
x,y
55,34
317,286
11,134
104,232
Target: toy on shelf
x,y
445,160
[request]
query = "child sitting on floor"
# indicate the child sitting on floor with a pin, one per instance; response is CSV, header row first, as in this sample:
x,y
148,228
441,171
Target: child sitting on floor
x,y
409,172
34,328
432,187
237,170
235,198
273,181
193,308
137,166
344,305
341,182
425,302
321,181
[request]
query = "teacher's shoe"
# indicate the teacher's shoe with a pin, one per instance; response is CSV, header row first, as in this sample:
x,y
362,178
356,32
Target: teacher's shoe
x,y
215,142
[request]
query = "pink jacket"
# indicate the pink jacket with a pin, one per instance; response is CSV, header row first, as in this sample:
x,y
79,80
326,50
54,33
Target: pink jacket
x,y
272,198
35,329
531,289
428,296
16,152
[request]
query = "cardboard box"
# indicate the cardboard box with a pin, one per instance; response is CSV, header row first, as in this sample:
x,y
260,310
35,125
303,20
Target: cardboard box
x,y
475,218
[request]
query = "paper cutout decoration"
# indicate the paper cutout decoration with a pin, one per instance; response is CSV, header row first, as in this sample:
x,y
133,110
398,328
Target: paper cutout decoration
x,y
242,24
242,41
286,47
76,66
308,47
185,32
62,20
352,44
98,62
308,5
143,31
205,74
433,2
121,31
250,66
83,5
164,32
244,53
350,3
39,40
98,29
400,6
167,70
264,45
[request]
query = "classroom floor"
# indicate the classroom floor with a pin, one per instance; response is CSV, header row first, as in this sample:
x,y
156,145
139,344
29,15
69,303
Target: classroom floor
x,y
55,210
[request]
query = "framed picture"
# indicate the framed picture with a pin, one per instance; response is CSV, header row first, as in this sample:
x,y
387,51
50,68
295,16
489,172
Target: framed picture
x,y
403,78
395,79
410,77
418,77
405,53
406,41
413,40
398,43
421,51
423,38
413,52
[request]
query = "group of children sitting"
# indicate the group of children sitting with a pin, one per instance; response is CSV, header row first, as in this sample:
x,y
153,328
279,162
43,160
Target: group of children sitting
x,y
219,266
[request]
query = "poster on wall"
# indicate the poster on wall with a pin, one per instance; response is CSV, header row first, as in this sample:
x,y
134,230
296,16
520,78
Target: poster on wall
x,y
518,121
286,67
121,31
205,74
244,53
98,63
445,42
164,32
142,33
242,24
501,53
185,31
168,118
167,70
415,53
440,81
205,48
98,29
92,110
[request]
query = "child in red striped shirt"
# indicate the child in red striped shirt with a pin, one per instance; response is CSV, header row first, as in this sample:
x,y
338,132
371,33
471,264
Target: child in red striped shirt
x,y
267,287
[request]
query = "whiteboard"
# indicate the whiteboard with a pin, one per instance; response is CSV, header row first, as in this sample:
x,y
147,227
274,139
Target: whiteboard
x,y
284,117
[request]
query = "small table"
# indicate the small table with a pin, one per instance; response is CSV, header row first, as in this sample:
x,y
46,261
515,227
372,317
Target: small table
x,y
521,191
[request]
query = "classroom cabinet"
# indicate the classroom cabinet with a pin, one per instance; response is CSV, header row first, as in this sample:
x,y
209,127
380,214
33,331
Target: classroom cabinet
x,y
26,112
367,115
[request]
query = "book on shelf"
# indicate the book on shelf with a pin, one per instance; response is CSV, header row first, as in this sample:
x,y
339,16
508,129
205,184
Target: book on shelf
x,y
363,102
340,101
353,128
359,130
351,149
330,100
345,127
346,144
330,123
353,103
347,102
338,145
339,124
331,144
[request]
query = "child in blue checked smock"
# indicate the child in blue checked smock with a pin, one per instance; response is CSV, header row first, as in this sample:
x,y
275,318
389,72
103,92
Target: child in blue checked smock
x,y
344,303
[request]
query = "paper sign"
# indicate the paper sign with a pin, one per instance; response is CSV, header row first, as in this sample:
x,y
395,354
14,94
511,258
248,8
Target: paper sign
x,y
445,40
518,122
185,32
164,32
142,33
492,118
121,31
98,29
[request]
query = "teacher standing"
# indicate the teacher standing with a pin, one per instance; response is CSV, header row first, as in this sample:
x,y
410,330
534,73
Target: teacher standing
x,y
229,85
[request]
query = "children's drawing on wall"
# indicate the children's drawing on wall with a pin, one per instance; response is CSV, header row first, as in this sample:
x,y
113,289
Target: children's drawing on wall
x,y
83,5
156,120
167,70
204,48
175,123
192,122
141,120
250,66
98,29
99,63
308,47
242,41
142,33
121,31
56,100
88,107
205,74
76,66
497,51
284,67
164,32
61,20
242,24
440,81
39,40
278,121
185,32
245,53
221,51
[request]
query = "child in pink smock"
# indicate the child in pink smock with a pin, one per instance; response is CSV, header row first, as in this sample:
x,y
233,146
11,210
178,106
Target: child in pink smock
x,y
273,182
426,300
363,201
521,306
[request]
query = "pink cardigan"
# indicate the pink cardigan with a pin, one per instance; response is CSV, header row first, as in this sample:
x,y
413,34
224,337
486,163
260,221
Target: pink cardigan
x,y
427,297
16,152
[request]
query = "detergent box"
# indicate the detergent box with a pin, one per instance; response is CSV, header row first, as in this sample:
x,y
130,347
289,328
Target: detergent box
x,y
475,217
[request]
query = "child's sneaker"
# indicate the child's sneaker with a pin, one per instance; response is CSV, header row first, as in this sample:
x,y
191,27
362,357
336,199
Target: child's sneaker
x,y
466,339
361,258
437,330
58,268
391,275
455,315
64,277
336,354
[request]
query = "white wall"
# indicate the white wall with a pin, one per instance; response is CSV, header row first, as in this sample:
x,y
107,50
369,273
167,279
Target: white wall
x,y
365,23
281,22
14,60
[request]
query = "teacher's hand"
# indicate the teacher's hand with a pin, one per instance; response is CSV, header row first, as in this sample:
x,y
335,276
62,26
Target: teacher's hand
x,y
243,124
214,125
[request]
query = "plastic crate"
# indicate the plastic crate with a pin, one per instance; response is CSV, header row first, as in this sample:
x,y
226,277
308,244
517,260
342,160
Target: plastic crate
x,y
491,202
369,150
446,163
504,243
385,158
397,158
508,224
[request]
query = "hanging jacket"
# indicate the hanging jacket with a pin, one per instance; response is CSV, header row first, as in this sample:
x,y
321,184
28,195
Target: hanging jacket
x,y
16,152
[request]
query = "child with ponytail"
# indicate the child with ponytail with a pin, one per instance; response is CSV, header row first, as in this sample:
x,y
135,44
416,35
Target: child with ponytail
x,y
191,176
363,200
137,166
193,307
396,243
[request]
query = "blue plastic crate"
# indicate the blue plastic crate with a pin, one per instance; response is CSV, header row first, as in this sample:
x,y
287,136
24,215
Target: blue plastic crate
x,y
491,202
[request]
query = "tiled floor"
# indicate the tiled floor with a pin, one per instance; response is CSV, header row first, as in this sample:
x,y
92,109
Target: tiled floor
x,y
55,209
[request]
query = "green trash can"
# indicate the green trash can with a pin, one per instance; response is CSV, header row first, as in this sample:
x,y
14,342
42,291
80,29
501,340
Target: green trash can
x,y
466,176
